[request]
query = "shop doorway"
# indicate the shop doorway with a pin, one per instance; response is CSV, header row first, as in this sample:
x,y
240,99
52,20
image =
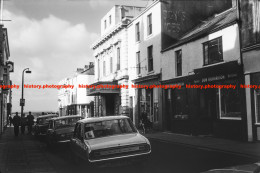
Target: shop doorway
x,y
110,104
208,103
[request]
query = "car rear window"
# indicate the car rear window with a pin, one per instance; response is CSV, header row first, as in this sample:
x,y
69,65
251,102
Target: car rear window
x,y
108,128
66,122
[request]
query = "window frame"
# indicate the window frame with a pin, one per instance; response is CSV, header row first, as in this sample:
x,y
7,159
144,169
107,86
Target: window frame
x,y
206,53
104,68
178,64
138,63
149,24
110,19
150,58
118,58
111,64
137,32
219,105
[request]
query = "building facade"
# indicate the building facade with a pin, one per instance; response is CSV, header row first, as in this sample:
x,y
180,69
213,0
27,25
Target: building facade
x,y
111,59
144,64
75,101
250,43
207,56
6,67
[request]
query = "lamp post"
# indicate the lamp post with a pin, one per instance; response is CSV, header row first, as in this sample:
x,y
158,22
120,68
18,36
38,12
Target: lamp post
x,y
22,102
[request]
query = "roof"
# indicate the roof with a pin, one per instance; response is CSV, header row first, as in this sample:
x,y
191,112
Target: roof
x,y
106,118
47,116
67,117
211,24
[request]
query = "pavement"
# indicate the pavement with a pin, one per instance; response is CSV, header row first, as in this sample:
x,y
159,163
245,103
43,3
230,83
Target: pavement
x,y
248,149
22,154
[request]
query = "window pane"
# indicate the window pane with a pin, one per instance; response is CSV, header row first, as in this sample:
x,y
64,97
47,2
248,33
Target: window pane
x,y
137,32
213,51
150,58
178,63
118,58
230,103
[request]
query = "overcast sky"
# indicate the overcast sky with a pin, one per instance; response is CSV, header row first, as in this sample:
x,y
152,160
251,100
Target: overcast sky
x,y
52,38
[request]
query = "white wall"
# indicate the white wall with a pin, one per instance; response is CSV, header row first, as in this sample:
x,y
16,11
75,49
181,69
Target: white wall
x,y
192,52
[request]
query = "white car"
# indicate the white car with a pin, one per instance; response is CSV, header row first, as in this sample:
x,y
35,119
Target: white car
x,y
109,139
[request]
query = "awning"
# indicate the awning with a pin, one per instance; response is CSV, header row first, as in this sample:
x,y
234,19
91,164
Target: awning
x,y
103,87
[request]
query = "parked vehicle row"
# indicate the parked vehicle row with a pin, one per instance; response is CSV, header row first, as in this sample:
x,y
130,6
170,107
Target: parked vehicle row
x,y
98,140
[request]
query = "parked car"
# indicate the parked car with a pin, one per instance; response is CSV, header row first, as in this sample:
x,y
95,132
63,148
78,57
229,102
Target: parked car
x,y
106,140
61,129
41,126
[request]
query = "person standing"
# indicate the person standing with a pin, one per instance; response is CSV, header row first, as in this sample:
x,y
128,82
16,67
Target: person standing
x,y
30,122
23,124
16,123
10,120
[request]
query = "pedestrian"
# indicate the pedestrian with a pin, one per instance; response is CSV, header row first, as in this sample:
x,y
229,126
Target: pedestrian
x,y
143,121
10,120
30,122
23,124
16,123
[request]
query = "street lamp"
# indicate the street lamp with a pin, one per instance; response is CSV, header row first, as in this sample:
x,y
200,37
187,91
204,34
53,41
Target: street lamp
x,y
22,101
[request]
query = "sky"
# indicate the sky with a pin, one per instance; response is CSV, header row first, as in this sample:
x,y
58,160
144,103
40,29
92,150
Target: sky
x,y
52,38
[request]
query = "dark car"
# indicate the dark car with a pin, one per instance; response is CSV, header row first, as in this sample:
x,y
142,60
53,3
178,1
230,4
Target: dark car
x,y
109,140
61,129
42,124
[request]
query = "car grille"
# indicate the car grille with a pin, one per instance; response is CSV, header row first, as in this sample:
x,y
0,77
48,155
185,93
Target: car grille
x,y
120,151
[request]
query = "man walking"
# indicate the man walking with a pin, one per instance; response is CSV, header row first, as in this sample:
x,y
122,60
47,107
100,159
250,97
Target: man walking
x,y
16,123
30,122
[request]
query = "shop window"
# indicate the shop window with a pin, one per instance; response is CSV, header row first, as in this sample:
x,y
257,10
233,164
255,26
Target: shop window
x,y
180,102
156,104
212,51
138,64
137,32
229,103
149,24
257,106
150,58
178,55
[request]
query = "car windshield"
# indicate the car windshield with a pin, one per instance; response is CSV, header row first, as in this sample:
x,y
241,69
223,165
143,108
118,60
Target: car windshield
x,y
108,128
69,122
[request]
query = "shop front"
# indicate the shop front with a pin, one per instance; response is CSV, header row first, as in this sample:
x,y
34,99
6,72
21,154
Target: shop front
x,y
210,103
148,100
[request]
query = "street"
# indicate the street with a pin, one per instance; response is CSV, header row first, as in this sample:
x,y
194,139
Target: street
x,y
165,158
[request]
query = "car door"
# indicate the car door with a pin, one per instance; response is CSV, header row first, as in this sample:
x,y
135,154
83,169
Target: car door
x,y
75,140
82,146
